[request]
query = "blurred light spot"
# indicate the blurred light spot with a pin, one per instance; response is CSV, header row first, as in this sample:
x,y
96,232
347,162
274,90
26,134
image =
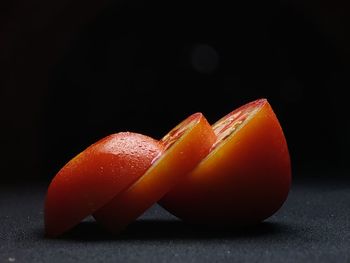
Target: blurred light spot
x,y
204,59
291,91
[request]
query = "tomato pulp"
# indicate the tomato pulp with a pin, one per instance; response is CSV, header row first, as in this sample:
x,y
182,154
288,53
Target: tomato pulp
x,y
185,146
245,178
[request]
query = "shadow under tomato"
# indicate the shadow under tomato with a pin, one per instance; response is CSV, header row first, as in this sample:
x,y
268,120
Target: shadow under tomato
x,y
152,229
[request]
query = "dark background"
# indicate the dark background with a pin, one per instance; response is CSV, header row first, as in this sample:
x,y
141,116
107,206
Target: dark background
x,y
73,72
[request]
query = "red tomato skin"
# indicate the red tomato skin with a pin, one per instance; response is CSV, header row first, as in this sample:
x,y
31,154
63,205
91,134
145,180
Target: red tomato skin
x,y
242,182
185,147
94,177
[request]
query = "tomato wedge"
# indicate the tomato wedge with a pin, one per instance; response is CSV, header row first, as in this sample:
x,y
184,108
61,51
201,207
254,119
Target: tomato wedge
x,y
185,146
95,176
245,178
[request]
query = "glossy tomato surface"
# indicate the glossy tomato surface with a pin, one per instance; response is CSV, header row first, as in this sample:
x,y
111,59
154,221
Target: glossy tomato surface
x,y
245,178
95,176
185,146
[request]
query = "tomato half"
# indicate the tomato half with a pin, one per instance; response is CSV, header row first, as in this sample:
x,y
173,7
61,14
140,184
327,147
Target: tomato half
x,y
185,146
245,178
95,176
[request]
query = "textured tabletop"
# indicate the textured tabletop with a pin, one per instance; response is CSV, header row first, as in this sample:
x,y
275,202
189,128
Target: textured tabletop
x,y
312,226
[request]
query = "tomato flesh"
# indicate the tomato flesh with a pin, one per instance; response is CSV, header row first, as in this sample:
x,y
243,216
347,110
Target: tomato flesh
x,y
186,145
236,172
245,178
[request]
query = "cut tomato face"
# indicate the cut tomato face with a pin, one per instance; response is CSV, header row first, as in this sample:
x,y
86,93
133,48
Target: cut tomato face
x,y
185,146
244,179
95,176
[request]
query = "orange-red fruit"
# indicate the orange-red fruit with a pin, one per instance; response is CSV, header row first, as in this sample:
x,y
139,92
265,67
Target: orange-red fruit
x,y
95,176
246,177
185,146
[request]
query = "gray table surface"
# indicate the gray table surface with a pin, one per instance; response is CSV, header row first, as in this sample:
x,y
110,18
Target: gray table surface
x,y
312,226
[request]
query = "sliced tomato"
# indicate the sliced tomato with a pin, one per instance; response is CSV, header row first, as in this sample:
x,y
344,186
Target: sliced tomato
x,y
95,176
245,178
185,146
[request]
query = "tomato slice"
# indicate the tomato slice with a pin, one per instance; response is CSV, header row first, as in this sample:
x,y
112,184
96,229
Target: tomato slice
x,y
95,176
185,146
245,178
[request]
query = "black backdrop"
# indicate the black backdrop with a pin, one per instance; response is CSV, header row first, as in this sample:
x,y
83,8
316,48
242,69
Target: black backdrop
x,y
73,73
